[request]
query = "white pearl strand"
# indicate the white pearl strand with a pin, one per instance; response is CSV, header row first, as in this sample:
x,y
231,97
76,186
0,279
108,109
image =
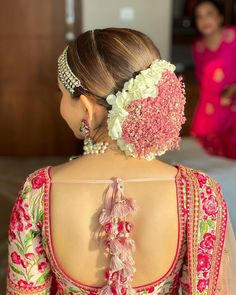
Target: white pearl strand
x,y
95,148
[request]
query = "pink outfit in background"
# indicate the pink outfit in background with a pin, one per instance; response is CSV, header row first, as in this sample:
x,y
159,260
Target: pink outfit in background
x,y
214,125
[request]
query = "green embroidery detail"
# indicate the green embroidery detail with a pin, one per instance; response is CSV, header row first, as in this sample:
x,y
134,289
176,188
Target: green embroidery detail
x,y
16,270
43,278
203,227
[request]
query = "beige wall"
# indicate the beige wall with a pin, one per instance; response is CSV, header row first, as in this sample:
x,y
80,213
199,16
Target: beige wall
x,y
152,17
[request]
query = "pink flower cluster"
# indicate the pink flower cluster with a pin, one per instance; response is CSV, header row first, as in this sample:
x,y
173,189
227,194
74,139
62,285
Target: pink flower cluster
x,y
210,205
38,180
20,220
153,124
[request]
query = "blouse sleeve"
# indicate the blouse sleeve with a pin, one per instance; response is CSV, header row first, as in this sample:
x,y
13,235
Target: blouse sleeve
x,y
28,268
209,265
227,276
226,284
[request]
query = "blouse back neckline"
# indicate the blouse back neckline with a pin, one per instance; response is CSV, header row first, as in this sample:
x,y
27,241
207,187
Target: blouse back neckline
x,y
48,229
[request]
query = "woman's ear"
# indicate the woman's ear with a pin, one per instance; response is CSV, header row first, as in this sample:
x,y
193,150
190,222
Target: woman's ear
x,y
88,106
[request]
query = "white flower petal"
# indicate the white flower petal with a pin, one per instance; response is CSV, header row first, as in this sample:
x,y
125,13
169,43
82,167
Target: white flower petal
x,y
111,99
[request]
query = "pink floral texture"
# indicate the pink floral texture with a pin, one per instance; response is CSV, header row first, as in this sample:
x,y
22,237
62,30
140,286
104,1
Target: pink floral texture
x,y
210,205
12,235
29,256
24,263
42,266
153,124
24,284
208,190
202,179
39,249
38,180
208,241
202,284
15,258
204,262
19,219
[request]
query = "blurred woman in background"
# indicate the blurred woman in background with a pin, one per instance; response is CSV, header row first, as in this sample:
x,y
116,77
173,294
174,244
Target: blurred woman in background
x,y
214,123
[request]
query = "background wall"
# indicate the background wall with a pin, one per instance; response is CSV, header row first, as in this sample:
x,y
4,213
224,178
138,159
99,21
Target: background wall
x,y
153,17
32,35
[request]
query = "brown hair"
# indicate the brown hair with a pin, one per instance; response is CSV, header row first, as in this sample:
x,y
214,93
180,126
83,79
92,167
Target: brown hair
x,y
104,59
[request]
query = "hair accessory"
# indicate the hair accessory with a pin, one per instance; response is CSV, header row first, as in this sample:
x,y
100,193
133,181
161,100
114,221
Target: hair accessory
x,y
147,114
65,75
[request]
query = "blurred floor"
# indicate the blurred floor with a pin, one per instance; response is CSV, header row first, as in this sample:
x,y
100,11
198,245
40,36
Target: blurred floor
x,y
14,170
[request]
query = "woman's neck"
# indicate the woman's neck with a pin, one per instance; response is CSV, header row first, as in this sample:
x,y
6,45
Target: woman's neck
x,y
102,135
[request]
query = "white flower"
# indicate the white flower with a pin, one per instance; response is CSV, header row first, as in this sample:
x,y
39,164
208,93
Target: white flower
x,y
126,147
111,99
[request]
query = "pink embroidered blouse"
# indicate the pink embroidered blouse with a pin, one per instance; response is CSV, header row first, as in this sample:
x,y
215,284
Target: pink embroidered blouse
x,y
202,214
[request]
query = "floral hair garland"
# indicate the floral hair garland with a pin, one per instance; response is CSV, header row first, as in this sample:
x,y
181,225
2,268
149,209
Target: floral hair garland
x,y
148,113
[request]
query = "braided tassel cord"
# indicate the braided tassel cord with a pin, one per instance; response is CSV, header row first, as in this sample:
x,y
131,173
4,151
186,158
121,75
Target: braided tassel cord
x,y
114,231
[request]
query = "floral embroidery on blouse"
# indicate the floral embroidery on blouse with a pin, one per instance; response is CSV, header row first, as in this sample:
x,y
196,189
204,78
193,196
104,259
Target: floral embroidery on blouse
x,y
32,260
209,192
29,269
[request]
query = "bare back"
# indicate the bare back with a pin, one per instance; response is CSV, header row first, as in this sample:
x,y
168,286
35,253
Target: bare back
x,y
75,208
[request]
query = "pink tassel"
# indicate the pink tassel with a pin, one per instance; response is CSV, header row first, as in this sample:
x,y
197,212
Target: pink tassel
x,y
120,209
116,247
121,290
127,257
123,208
120,245
109,197
129,244
128,272
106,290
113,223
105,217
132,204
116,263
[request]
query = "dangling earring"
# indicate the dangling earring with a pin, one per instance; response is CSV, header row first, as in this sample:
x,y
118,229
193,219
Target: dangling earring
x,y
89,146
85,128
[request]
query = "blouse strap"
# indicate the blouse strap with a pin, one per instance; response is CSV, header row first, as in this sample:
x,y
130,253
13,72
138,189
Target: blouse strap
x,y
108,181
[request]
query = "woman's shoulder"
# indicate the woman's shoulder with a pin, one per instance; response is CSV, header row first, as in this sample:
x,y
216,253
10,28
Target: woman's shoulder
x,y
30,194
33,185
37,178
205,189
197,175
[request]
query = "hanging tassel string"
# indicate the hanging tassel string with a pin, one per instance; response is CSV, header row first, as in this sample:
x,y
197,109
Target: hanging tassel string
x,y
114,231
